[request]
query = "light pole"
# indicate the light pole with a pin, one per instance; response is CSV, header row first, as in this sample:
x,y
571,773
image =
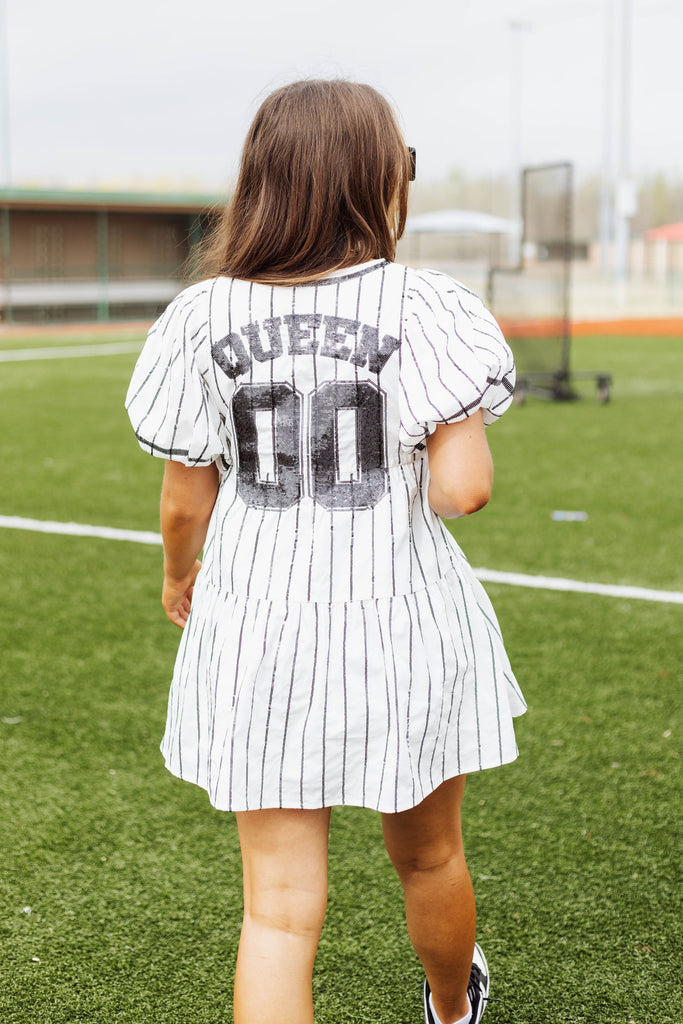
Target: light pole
x,y
607,180
625,200
517,28
5,162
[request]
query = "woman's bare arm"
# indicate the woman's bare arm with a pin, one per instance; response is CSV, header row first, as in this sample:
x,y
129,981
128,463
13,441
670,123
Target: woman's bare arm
x,y
460,467
188,495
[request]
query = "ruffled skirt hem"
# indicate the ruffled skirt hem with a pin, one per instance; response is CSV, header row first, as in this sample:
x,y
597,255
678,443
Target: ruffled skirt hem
x,y
371,703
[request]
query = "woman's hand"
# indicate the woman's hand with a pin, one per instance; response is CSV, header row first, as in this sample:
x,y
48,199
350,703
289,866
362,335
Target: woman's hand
x,y
176,596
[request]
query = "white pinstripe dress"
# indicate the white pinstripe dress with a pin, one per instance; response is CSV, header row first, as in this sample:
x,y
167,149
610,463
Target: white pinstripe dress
x,y
339,649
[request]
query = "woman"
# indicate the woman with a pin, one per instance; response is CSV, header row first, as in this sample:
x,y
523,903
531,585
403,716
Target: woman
x,y
319,407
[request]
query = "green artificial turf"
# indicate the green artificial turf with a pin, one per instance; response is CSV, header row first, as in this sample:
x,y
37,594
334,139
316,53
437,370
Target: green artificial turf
x,y
120,890
618,462
40,338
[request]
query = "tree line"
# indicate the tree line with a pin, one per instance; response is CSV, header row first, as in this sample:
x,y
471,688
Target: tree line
x,y
660,199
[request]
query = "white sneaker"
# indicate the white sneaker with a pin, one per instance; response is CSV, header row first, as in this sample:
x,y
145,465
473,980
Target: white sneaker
x,y
477,988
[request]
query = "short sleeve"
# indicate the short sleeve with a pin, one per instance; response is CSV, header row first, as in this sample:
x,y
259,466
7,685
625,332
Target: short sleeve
x,y
169,406
454,358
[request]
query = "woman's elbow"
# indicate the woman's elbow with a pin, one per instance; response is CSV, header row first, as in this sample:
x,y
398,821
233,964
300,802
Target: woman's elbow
x,y
475,500
452,501
181,515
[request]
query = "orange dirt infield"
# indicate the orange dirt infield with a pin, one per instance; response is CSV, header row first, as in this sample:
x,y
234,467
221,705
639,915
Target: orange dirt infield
x,y
666,326
554,327
542,328
101,330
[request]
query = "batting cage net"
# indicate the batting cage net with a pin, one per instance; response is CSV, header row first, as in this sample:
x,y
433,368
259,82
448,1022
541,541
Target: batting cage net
x,y
531,300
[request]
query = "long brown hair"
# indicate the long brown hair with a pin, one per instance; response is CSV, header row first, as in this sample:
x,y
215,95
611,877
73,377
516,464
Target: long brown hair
x,y
323,185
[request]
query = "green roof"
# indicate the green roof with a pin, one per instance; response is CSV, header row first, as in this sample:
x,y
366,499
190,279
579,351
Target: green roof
x,y
191,202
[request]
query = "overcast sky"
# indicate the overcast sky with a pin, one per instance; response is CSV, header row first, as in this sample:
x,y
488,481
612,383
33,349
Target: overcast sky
x,y
144,93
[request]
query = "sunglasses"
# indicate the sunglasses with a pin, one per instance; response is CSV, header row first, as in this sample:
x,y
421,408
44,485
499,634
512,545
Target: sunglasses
x,y
412,157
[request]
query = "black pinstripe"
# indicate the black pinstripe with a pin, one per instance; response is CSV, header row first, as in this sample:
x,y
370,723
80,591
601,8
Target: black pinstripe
x,y
314,676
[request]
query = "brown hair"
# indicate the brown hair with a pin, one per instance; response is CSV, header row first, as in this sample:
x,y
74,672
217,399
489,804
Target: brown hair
x,y
323,185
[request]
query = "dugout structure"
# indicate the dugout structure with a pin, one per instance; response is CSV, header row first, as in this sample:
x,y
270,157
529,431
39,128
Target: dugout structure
x,y
531,299
82,256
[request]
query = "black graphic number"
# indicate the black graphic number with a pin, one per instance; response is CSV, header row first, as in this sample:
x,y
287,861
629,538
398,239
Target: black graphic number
x,y
268,426
345,447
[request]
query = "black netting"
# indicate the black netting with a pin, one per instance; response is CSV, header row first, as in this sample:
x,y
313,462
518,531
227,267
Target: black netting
x,y
531,301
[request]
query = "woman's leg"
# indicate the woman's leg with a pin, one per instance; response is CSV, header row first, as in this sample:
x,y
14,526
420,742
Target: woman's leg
x,y
284,857
425,846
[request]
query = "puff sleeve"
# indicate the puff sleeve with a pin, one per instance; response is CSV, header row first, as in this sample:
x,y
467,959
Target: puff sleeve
x,y
169,406
454,358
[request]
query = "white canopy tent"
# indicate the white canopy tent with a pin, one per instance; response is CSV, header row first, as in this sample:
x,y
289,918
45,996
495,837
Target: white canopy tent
x,y
461,222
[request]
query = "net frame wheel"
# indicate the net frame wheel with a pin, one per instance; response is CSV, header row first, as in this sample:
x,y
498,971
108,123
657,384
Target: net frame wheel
x,y
604,389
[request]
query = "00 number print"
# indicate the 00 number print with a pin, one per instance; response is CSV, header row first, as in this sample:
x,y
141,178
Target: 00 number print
x,y
344,447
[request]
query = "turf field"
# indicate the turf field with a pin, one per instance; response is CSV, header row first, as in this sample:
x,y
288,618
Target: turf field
x,y
120,887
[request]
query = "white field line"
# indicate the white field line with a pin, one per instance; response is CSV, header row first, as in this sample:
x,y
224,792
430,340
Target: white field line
x,y
79,530
517,579
19,355
514,579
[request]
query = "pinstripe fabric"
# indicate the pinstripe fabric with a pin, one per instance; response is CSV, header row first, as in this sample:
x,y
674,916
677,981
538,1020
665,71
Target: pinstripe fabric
x,y
339,648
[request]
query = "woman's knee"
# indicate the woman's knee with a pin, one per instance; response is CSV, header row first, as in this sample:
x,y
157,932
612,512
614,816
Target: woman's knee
x,y
420,861
427,837
284,857
292,909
